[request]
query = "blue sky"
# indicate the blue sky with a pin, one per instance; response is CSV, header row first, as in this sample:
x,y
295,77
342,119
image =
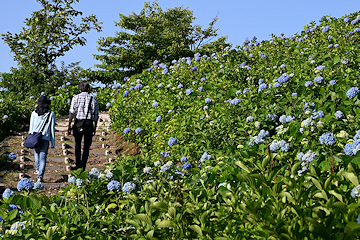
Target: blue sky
x,y
238,19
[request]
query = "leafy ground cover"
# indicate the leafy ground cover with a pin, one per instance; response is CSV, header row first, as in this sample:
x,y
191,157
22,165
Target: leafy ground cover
x,y
255,143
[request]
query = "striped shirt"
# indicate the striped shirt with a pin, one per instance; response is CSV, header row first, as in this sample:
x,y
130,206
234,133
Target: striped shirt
x,y
79,107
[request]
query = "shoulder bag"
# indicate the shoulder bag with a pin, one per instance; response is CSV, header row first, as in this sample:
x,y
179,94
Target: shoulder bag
x,y
33,139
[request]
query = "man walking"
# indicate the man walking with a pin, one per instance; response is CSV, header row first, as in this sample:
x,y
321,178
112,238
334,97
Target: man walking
x,y
85,109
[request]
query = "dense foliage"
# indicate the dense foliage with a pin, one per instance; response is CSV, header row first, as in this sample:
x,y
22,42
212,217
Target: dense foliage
x,y
259,143
50,32
154,34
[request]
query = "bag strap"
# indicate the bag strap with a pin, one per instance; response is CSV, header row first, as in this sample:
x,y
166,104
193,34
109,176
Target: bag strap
x,y
47,118
88,108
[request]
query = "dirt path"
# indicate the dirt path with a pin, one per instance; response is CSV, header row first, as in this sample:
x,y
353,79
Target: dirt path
x,y
106,146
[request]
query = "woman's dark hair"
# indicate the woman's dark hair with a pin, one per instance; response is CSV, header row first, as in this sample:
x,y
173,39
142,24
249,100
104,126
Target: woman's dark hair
x,y
84,87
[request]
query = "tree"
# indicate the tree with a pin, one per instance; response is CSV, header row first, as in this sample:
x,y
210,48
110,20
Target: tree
x,y
153,34
49,33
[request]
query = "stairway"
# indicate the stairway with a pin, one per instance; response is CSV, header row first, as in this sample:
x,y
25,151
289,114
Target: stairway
x,y
105,146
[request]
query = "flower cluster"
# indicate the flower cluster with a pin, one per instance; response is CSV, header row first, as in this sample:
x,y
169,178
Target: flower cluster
x,y
8,193
113,185
25,184
276,145
129,187
352,92
286,119
12,156
306,160
339,114
172,141
327,138
166,167
205,157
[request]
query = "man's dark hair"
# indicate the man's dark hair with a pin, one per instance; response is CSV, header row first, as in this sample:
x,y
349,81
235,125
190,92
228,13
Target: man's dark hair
x,y
84,87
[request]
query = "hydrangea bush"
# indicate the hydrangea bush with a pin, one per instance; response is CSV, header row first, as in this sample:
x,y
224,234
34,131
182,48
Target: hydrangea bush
x,y
263,146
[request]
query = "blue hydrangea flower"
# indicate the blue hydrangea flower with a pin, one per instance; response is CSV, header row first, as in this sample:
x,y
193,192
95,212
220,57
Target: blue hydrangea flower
x,y
172,141
243,64
156,62
275,85
327,138
272,116
51,98
79,182
158,118
332,82
320,68
113,185
205,157
234,101
309,83
147,170
193,68
156,134
330,46
357,30
352,92
319,79
318,114
8,193
108,104
294,94
155,104
245,48
129,187
347,19
126,93
5,117
250,119
186,166
345,61
183,159
282,66
72,180
201,89
260,81
25,184
138,130
43,93
189,91
208,100
180,86
262,86
68,101
355,192
205,107
283,79
127,130
339,114
12,156
202,79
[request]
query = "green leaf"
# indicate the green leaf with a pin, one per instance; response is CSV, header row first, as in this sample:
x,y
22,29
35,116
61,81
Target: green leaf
x,y
336,59
241,165
110,206
196,228
316,183
352,178
166,224
50,232
144,218
337,195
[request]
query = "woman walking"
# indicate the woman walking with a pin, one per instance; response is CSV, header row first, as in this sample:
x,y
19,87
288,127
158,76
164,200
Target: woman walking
x,y
42,116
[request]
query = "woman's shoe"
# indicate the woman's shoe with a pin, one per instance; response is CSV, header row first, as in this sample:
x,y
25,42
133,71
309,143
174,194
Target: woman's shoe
x,y
40,179
36,171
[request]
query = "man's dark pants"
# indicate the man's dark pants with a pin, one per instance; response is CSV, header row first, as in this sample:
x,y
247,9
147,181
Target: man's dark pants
x,y
88,134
